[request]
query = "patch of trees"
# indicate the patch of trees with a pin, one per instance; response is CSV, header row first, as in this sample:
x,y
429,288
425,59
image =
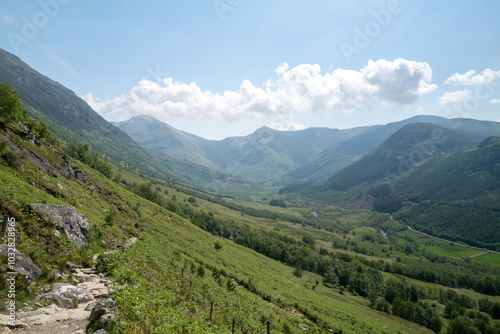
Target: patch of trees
x,y
254,212
492,308
480,215
278,202
293,188
357,275
385,201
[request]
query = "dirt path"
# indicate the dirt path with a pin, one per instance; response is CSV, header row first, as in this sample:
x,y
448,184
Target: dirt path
x,y
51,319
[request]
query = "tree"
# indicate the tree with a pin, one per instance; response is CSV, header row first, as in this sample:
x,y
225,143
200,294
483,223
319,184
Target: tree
x,y
495,310
10,103
458,326
37,128
298,271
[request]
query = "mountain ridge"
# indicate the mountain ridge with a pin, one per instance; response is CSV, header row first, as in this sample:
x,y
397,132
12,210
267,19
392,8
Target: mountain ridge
x,y
262,156
414,143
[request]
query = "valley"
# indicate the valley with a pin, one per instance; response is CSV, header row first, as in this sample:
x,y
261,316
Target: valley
x,y
282,231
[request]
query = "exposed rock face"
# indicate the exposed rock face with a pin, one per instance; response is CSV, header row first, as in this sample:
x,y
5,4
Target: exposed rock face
x,y
103,314
76,225
24,265
67,295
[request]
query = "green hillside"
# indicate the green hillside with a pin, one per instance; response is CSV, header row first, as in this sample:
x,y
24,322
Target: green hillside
x,y
400,154
344,153
458,196
154,135
176,270
72,119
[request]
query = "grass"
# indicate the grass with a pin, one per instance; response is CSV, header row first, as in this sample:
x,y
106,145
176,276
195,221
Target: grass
x,y
489,258
160,288
159,259
168,279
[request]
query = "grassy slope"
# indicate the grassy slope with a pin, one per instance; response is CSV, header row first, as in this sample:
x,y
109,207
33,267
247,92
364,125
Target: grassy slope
x,y
167,243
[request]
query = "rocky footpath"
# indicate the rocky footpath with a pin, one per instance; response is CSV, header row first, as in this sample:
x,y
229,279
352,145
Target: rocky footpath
x,y
66,308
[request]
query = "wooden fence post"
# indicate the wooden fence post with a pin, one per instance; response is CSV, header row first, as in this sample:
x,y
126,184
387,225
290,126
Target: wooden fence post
x,y
232,331
211,309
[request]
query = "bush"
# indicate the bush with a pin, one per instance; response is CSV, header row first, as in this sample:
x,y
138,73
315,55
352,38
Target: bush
x,y
10,103
298,271
10,158
37,128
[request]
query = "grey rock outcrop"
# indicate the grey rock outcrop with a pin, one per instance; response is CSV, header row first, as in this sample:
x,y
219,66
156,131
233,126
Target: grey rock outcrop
x,y
24,265
76,225
103,314
67,295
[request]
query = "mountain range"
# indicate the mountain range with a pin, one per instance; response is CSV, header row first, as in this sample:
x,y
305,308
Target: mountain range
x,y
278,158
262,262
265,157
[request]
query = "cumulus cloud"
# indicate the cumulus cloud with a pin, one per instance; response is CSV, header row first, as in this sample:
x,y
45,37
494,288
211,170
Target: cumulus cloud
x,y
286,123
301,88
458,96
470,78
495,101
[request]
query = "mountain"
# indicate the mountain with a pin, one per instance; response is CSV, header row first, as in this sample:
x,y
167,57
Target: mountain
x,y
457,197
158,136
263,156
72,119
400,154
340,155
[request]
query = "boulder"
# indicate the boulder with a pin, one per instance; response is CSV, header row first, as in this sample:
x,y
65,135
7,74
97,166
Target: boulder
x,y
24,265
67,295
103,315
101,331
76,225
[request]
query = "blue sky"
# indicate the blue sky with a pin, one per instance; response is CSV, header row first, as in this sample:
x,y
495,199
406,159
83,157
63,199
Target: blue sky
x,y
220,68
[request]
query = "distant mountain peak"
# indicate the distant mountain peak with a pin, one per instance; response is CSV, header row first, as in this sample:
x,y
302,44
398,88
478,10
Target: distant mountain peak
x,y
145,117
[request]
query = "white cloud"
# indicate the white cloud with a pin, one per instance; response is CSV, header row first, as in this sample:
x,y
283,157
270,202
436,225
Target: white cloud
x,y
282,68
495,101
286,123
301,88
470,78
455,97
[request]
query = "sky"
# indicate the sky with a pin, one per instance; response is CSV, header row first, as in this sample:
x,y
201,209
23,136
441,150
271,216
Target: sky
x,y
219,68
